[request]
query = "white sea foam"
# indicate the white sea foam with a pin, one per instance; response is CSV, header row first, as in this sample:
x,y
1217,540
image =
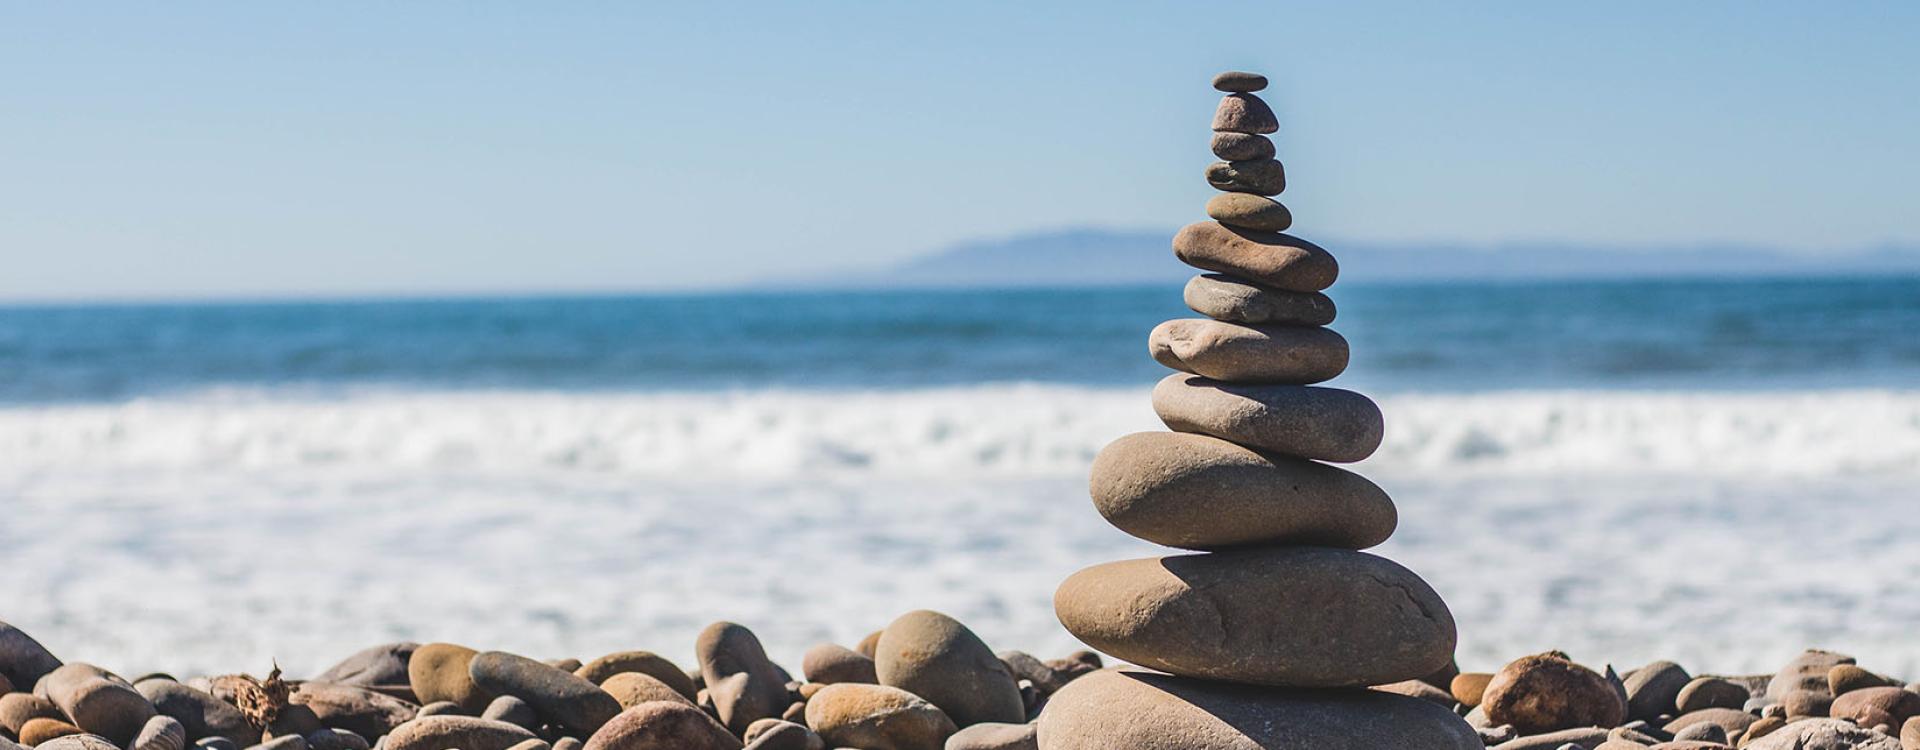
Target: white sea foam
x,y
217,531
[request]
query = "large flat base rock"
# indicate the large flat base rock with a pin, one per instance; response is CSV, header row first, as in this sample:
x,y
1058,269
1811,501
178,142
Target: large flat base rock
x,y
1114,710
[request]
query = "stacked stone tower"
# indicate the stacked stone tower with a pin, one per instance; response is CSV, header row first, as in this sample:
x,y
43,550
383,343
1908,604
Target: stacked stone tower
x,y
1270,635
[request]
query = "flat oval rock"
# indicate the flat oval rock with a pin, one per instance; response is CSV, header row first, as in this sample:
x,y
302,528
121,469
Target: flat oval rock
x,y
1236,353
364,712
1286,617
1326,424
1242,146
995,737
203,715
645,662
560,696
1245,113
97,702
1163,712
1274,259
1249,211
439,672
1235,300
937,658
1203,493
1256,177
1239,82
455,733
828,663
385,664
850,714
662,725
634,688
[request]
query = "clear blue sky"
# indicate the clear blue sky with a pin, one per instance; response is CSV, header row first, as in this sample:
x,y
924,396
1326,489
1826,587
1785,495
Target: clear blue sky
x,y
264,149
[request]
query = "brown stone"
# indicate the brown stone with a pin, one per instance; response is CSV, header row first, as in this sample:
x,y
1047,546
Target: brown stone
x,y
1873,706
560,696
828,663
23,661
161,732
937,658
1325,424
634,688
364,712
1239,82
1652,690
662,725
1242,146
98,702
1236,300
1263,616
1805,702
1203,493
78,742
202,714
1808,671
38,730
439,672
1824,734
1258,177
1710,692
1844,678
1236,353
744,684
1468,687
17,708
385,664
1548,692
1113,710
877,717
1249,211
455,733
645,662
1273,259
1728,719
1245,113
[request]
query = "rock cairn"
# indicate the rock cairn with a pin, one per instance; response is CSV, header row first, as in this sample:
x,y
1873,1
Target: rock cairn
x,y
1268,637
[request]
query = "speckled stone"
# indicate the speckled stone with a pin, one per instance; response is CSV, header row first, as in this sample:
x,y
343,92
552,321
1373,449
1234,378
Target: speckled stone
x,y
1235,300
1325,424
1273,259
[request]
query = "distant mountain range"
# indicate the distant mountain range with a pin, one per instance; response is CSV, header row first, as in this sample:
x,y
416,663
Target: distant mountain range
x,y
1102,257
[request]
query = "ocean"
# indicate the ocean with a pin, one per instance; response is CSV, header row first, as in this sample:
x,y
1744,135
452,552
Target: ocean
x,y
1716,472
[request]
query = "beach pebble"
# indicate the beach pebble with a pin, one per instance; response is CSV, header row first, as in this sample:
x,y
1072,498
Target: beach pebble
x,y
1200,492
1236,300
1581,738
1709,692
631,689
1273,259
569,743
1704,731
1248,211
662,725
368,713
1419,689
1652,690
1871,706
645,662
1259,616
215,743
1025,666
560,697
1727,719
828,663
1171,712
199,712
39,730
935,657
385,664
513,710
440,672
456,733
779,734
743,684
1239,82
23,661
877,717
868,643
1325,424
96,701
1468,687
1823,734
992,736
1256,177
1242,146
1077,664
1244,113
1548,692
442,708
1845,678
161,732
1808,671
16,709
283,742
336,739
82,741
1806,702
1236,353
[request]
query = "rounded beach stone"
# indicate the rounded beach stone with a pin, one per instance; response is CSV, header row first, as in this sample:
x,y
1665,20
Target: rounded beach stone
x,y
1025,666
439,672
1274,259
935,657
1710,692
1873,706
39,731
1653,690
1844,678
1263,616
1112,710
283,742
1823,734
442,708
199,712
744,685
828,663
16,709
1199,492
993,736
1258,177
779,734
1239,82
1235,300
97,702
81,741
663,725
341,739
560,696
161,732
513,711
1808,671
869,643
1548,692
877,717
385,664
1249,211
368,713
455,733
1245,113
1326,424
644,662
1468,687
634,688
23,661
1242,146
1806,702
1237,353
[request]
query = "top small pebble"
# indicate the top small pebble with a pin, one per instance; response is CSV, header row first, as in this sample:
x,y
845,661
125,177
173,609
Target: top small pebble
x,y
1239,82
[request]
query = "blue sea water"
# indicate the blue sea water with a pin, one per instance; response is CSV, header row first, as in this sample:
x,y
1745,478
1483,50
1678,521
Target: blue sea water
x,y
1731,334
